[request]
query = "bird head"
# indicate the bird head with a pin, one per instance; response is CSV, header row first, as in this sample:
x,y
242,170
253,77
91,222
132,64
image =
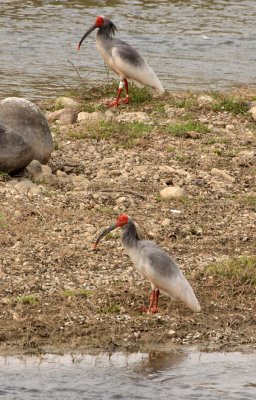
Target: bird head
x,y
121,221
103,24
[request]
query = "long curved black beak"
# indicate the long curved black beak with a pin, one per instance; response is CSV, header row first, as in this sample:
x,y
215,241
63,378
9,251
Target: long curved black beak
x,y
86,34
104,233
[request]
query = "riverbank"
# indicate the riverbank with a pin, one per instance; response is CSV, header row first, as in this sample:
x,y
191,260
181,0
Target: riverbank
x,y
56,292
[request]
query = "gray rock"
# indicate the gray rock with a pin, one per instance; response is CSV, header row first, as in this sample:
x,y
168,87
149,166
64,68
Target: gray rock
x,y
41,173
15,153
29,122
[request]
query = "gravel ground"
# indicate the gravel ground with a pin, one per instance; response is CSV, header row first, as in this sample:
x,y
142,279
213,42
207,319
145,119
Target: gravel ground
x,y
55,291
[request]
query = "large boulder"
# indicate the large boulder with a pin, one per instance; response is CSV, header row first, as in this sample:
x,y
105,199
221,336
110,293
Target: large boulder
x,y
29,122
15,153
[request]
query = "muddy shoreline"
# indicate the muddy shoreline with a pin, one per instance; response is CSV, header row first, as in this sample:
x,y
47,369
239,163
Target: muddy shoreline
x,y
56,294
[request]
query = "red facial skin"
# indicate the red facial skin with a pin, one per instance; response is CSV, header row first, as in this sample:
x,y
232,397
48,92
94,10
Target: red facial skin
x,y
99,21
122,220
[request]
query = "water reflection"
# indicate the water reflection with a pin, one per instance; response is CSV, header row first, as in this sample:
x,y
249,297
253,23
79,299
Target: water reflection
x,y
190,44
160,375
157,361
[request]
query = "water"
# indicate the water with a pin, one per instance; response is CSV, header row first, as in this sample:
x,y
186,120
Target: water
x,y
198,44
157,375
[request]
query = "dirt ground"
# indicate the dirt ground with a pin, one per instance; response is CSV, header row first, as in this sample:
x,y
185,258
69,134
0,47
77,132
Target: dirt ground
x,y
56,292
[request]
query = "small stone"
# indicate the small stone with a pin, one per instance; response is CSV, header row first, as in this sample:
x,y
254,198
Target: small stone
x,y
90,117
172,192
24,186
17,215
42,173
204,100
65,116
223,174
166,222
252,111
80,181
138,116
122,199
171,332
66,102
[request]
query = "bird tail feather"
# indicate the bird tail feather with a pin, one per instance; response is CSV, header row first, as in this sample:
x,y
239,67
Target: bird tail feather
x,y
180,289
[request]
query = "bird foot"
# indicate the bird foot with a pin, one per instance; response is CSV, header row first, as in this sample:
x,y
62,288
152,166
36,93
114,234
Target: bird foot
x,y
116,103
152,310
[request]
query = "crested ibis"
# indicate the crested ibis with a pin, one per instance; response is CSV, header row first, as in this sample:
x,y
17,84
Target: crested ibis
x,y
122,59
154,264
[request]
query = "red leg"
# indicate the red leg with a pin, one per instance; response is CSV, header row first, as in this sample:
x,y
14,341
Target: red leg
x,y
155,308
126,100
152,300
118,100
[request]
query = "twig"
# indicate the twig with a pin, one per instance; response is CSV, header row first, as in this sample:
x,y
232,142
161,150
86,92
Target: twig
x,y
124,191
77,72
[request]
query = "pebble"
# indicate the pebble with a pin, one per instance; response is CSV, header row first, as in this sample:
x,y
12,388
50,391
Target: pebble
x,y
252,111
172,192
64,116
66,102
223,174
166,222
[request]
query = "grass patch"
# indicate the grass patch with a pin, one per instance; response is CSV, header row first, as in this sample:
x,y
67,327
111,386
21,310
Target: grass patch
x,y
182,128
27,299
248,200
140,95
188,102
126,133
240,269
77,293
111,309
231,105
2,220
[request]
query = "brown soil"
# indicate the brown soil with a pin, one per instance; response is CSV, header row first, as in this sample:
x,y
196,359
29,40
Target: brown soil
x,y
55,291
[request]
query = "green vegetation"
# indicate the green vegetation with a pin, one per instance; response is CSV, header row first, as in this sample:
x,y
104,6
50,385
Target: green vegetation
x,y
248,200
126,133
77,293
27,299
2,219
111,309
241,269
231,105
182,128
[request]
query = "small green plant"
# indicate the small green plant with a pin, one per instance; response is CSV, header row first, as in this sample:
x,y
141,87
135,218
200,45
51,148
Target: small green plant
x,y
189,103
248,200
111,309
171,149
77,292
182,128
231,105
27,299
241,269
125,133
218,152
140,95
2,220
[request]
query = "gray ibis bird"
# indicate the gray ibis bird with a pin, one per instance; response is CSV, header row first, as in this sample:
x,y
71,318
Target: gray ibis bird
x,y
122,59
154,264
